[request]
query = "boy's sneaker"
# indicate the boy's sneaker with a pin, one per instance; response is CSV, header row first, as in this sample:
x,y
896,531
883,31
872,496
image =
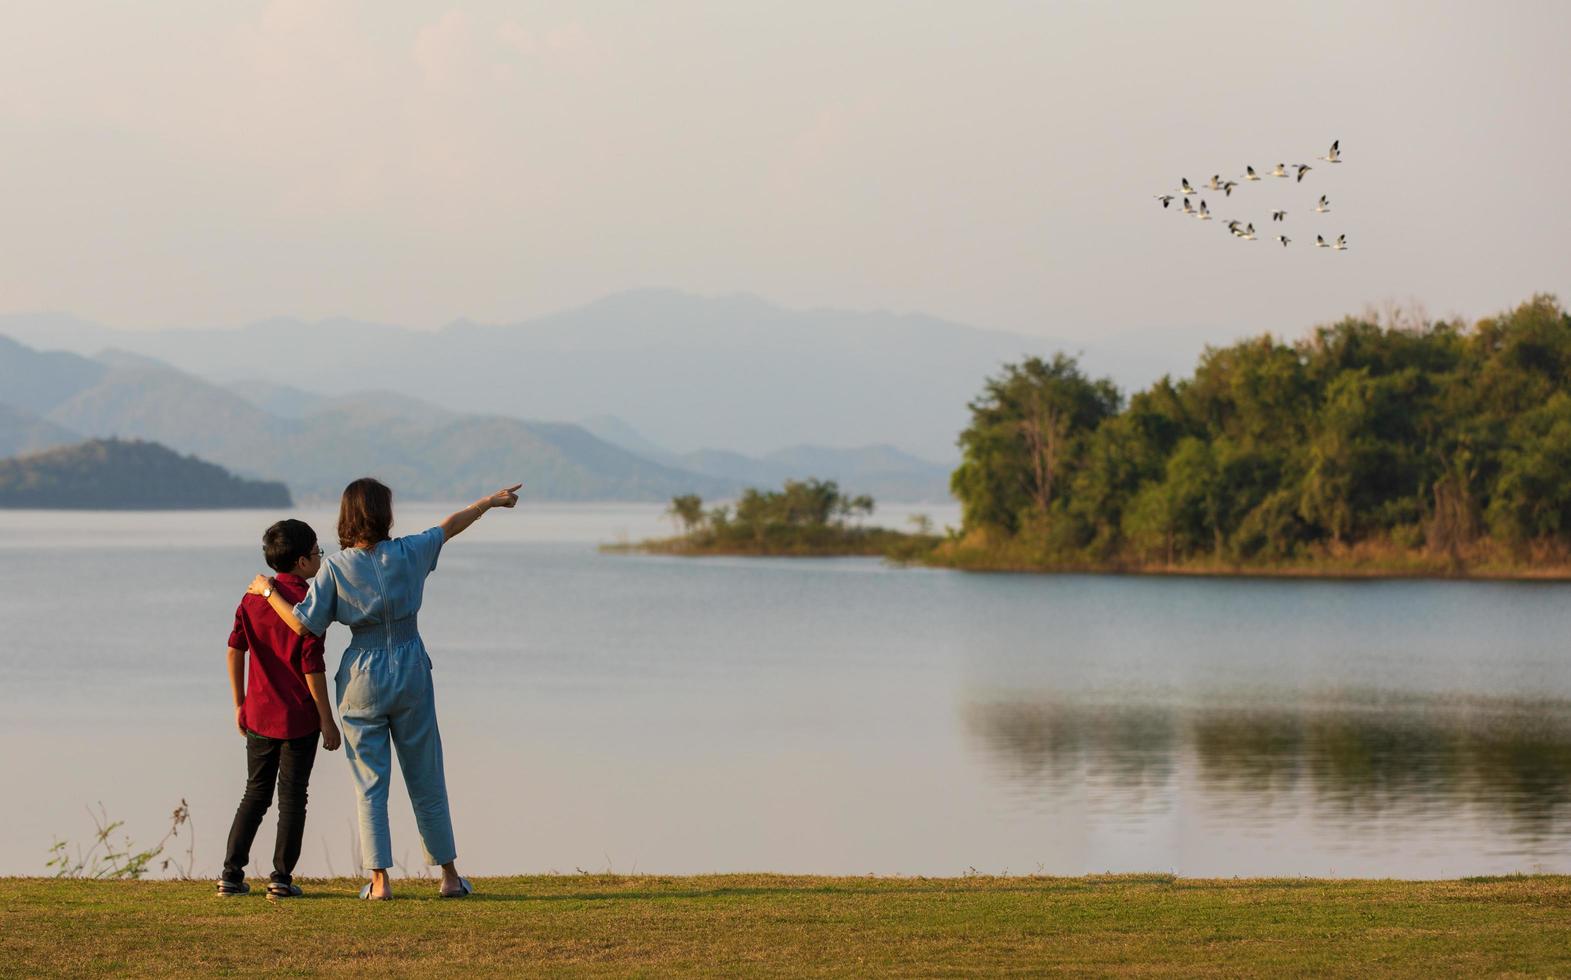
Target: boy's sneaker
x,y
283,889
229,889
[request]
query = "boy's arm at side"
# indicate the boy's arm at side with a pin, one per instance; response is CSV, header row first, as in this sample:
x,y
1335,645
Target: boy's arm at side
x,y
317,682
314,667
236,660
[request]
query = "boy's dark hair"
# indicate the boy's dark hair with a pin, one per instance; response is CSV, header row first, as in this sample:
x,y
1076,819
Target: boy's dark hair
x,y
287,542
365,514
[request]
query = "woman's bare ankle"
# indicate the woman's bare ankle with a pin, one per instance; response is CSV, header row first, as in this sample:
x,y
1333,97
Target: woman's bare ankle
x,y
381,883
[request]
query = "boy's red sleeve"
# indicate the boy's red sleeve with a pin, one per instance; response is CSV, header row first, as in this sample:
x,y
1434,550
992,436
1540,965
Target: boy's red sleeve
x,y
237,640
312,660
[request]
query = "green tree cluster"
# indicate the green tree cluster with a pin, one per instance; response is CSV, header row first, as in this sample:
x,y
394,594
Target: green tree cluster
x,y
802,507
1422,435
804,517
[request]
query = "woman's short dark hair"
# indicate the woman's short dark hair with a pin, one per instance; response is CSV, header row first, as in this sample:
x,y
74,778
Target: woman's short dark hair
x,y
286,542
365,514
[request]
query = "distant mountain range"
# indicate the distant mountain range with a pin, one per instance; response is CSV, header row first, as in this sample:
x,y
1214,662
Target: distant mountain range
x,y
110,474
317,443
732,373
423,451
884,472
21,432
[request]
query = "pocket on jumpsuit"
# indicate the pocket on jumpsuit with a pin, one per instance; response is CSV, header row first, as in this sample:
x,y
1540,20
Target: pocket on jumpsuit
x,y
356,689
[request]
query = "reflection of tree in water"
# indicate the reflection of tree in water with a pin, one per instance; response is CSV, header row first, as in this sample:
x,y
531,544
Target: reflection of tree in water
x,y
1522,765
1129,749
1359,754
1353,755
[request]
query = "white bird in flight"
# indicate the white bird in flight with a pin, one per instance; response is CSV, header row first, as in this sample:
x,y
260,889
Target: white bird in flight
x,y
1320,242
1341,243
1280,171
1187,208
1303,168
1166,199
1215,183
1324,207
1335,156
1278,215
1283,239
1249,174
1183,185
1204,214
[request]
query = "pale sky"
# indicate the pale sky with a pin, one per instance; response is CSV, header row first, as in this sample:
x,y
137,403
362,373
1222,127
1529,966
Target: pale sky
x,y
186,162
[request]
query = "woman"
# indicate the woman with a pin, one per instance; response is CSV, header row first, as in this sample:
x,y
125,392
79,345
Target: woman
x,y
374,586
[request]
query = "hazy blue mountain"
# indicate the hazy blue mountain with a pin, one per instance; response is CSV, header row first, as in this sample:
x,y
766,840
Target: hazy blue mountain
x,y
118,475
59,332
884,472
114,357
24,432
167,406
452,456
729,372
37,381
749,470
284,401
424,451
618,432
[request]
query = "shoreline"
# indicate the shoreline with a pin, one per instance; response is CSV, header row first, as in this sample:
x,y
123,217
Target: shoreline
x,y
679,551
1290,573
1327,571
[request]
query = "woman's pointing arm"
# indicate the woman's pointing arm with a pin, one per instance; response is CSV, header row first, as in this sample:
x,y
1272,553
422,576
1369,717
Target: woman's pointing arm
x,y
459,520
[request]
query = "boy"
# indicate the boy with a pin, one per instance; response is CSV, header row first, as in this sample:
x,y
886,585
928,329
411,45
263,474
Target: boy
x,y
279,710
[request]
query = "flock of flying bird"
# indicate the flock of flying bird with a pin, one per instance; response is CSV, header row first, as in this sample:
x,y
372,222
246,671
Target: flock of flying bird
x,y
1246,232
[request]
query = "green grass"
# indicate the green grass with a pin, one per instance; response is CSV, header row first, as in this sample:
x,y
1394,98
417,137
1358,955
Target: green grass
x,y
743,925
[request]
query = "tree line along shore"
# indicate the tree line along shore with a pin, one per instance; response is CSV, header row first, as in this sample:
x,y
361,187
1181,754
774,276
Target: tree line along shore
x,y
1375,446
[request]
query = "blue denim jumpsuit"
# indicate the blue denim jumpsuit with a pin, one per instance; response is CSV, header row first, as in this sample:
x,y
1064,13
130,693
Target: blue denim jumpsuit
x,y
384,685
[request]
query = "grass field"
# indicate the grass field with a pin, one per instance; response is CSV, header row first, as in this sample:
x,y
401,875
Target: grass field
x,y
756,925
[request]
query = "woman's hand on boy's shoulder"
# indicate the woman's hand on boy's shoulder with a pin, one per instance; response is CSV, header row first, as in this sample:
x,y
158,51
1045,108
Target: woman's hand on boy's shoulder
x,y
259,585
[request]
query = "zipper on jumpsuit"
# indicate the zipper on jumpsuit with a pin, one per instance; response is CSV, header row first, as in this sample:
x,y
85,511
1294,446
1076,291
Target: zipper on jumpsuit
x,y
387,605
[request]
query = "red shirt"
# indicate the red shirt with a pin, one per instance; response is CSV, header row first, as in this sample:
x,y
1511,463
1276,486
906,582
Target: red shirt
x,y
277,702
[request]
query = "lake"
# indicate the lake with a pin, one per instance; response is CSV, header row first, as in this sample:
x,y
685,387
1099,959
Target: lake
x,y
656,714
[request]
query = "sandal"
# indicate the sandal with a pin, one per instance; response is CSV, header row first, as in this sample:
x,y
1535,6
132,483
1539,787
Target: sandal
x,y
365,893
231,889
465,889
279,889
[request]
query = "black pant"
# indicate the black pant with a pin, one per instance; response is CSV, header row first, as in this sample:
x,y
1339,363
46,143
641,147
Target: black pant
x,y
288,762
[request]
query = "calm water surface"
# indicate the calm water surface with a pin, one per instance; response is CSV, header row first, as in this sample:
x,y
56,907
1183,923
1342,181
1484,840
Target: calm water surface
x,y
670,715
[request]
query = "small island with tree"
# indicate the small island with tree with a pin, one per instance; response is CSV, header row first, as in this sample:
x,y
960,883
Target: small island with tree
x,y
806,518
116,474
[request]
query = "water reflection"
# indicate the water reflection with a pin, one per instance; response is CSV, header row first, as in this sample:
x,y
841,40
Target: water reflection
x,y
1348,757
